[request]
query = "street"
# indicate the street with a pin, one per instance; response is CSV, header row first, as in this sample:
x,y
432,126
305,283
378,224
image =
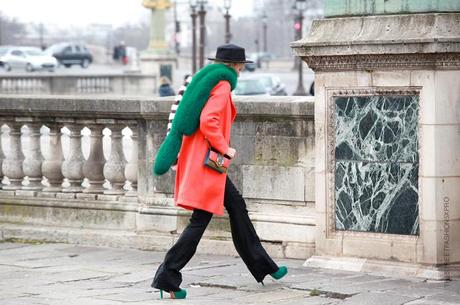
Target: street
x,y
55,274
283,69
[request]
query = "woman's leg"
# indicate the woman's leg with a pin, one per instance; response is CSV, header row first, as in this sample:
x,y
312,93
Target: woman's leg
x,y
168,276
244,236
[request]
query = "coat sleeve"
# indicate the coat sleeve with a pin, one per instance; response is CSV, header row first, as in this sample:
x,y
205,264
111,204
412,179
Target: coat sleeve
x,y
212,115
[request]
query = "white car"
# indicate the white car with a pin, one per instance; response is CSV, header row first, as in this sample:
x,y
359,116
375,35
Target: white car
x,y
250,86
27,58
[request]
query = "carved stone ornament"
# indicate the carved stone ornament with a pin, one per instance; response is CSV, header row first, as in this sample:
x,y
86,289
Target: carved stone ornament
x,y
331,95
157,4
382,61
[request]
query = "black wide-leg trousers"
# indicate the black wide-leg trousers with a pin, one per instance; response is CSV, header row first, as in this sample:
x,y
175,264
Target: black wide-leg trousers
x,y
245,239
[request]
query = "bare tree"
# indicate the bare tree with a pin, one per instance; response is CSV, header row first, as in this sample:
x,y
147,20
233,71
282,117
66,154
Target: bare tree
x,y
248,31
135,35
11,30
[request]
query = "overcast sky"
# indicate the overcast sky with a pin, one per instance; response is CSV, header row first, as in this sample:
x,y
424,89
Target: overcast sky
x,y
82,12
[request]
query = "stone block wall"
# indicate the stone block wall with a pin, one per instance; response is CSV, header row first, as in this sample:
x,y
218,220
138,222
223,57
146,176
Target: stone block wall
x,y
274,171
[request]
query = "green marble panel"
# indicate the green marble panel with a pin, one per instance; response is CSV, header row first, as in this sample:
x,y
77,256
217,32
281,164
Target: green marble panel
x,y
377,161
377,197
377,128
334,8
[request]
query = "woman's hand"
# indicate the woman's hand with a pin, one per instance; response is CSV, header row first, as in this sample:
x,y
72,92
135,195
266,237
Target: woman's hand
x,y
231,152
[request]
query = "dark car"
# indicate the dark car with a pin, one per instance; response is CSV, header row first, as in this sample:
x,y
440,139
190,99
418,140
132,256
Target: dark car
x,y
250,66
69,54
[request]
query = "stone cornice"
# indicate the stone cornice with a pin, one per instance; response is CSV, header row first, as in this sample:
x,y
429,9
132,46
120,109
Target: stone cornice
x,y
384,61
126,108
418,41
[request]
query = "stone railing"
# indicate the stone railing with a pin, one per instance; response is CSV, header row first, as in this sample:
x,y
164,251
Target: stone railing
x,y
79,170
126,84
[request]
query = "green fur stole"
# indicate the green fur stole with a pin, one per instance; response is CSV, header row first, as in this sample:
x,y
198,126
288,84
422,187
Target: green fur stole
x,y
187,118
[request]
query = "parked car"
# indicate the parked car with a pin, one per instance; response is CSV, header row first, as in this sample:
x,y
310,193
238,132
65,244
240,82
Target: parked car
x,y
264,56
69,54
258,59
250,66
273,84
28,58
250,86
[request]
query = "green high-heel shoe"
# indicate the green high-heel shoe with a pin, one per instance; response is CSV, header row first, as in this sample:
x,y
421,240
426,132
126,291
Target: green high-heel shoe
x,y
181,294
282,271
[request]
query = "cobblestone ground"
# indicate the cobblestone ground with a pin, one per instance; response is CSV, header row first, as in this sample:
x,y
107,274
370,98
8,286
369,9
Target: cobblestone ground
x,y
62,274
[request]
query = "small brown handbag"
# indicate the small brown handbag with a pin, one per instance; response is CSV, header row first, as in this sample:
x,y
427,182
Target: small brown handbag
x,y
216,161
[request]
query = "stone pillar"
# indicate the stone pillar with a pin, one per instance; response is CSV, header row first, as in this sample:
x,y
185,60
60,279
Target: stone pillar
x,y
94,166
114,168
158,60
52,165
152,189
12,165
387,120
72,167
158,9
147,138
157,31
131,166
32,165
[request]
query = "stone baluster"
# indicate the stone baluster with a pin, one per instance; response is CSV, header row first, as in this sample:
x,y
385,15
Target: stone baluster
x,y
78,87
131,166
12,165
12,85
52,165
86,85
114,168
32,165
2,155
72,167
81,85
93,168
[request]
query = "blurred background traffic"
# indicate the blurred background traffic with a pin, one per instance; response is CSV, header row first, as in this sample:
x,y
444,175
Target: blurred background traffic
x,y
54,37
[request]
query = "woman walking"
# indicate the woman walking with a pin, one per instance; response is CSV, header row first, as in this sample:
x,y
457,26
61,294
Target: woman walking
x,y
201,131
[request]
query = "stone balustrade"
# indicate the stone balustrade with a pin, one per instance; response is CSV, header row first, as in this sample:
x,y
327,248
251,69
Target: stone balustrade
x,y
48,173
128,84
79,169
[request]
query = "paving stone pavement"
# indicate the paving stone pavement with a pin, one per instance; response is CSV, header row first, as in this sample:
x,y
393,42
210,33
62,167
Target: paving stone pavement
x,y
63,274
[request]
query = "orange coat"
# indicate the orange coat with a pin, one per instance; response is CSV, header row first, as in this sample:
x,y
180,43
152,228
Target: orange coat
x,y
198,186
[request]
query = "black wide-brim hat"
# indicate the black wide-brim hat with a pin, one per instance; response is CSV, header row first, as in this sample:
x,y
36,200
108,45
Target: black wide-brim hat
x,y
230,53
